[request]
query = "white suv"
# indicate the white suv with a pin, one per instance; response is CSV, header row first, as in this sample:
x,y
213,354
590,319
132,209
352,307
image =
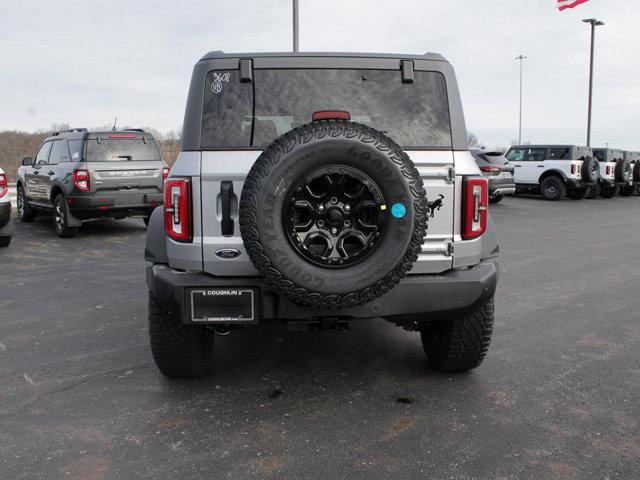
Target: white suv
x,y
554,170
6,225
622,168
634,163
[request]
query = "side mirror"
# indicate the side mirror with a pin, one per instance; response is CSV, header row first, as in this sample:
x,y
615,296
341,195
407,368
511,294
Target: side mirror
x,y
27,161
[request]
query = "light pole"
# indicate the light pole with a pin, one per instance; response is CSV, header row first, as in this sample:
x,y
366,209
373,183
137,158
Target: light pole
x,y
296,31
594,23
521,58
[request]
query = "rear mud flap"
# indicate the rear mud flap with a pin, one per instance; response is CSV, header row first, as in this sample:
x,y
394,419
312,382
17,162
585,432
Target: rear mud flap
x,y
72,220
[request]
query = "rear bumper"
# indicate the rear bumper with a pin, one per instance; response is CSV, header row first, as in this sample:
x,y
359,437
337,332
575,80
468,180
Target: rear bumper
x,y
94,206
501,187
606,182
6,225
418,298
575,183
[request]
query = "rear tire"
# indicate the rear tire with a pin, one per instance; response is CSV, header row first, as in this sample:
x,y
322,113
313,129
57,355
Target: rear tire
x,y
180,351
146,221
578,193
594,192
25,212
552,188
496,199
60,221
609,192
627,191
460,344
5,241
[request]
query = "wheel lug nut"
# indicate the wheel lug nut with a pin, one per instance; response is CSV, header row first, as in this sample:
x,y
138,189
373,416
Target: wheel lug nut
x,y
334,230
321,208
347,223
347,208
320,223
334,200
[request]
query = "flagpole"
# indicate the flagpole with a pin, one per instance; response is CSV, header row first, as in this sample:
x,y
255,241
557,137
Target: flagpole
x,y
521,58
296,30
594,23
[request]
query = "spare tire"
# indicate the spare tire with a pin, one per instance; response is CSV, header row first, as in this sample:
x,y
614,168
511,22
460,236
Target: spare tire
x,y
333,214
636,172
623,171
590,170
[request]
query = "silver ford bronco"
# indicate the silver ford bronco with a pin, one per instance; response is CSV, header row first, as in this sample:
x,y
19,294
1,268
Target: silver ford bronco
x,y
315,189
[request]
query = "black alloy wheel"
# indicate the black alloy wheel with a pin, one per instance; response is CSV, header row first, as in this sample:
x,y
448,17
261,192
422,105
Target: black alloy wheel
x,y
334,216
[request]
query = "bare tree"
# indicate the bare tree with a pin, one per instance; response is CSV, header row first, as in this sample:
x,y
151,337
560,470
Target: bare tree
x,y
472,138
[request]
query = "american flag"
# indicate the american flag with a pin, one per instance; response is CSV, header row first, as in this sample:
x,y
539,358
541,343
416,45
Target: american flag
x,y
564,4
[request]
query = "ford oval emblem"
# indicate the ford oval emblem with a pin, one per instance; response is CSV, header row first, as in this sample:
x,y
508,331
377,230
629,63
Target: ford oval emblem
x,y
227,253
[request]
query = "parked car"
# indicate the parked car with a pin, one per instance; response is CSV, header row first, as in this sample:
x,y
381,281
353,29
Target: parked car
x,y
554,170
81,175
299,198
6,224
623,171
634,163
496,168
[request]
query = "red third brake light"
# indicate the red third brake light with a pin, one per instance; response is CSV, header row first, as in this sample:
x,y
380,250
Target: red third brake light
x,y
165,172
488,168
3,184
476,201
122,135
177,209
331,115
81,179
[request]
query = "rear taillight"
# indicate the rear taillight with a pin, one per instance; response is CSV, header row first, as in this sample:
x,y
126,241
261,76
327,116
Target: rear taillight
x,y
609,169
575,169
177,209
488,168
81,180
165,173
3,184
475,201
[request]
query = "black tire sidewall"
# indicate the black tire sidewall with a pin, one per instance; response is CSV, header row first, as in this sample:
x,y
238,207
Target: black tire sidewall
x,y
588,173
263,208
560,188
620,171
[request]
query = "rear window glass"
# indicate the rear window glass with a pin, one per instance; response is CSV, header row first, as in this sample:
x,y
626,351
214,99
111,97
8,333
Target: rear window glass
x,y
495,158
415,115
560,153
121,150
75,149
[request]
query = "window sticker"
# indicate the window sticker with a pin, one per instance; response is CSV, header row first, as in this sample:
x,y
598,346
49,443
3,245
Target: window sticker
x,y
218,80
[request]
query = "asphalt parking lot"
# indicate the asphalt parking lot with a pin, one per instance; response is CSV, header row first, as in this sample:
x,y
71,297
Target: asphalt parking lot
x,y
557,396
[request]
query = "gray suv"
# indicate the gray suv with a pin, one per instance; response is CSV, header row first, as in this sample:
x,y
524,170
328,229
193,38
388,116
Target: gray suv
x,y
81,175
302,196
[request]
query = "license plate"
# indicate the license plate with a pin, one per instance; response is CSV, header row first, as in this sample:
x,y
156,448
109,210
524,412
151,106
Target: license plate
x,y
223,305
505,174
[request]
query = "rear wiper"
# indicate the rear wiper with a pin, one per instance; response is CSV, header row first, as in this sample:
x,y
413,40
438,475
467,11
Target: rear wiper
x,y
128,157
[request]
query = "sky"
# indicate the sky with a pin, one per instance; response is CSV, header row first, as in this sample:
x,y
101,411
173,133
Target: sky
x,y
85,62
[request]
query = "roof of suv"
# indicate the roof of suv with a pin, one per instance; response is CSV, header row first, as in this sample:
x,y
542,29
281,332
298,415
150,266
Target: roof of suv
x,y
427,56
548,145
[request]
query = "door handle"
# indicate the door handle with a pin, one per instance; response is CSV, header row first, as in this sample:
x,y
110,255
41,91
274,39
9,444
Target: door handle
x,y
540,166
36,172
226,192
52,173
517,166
